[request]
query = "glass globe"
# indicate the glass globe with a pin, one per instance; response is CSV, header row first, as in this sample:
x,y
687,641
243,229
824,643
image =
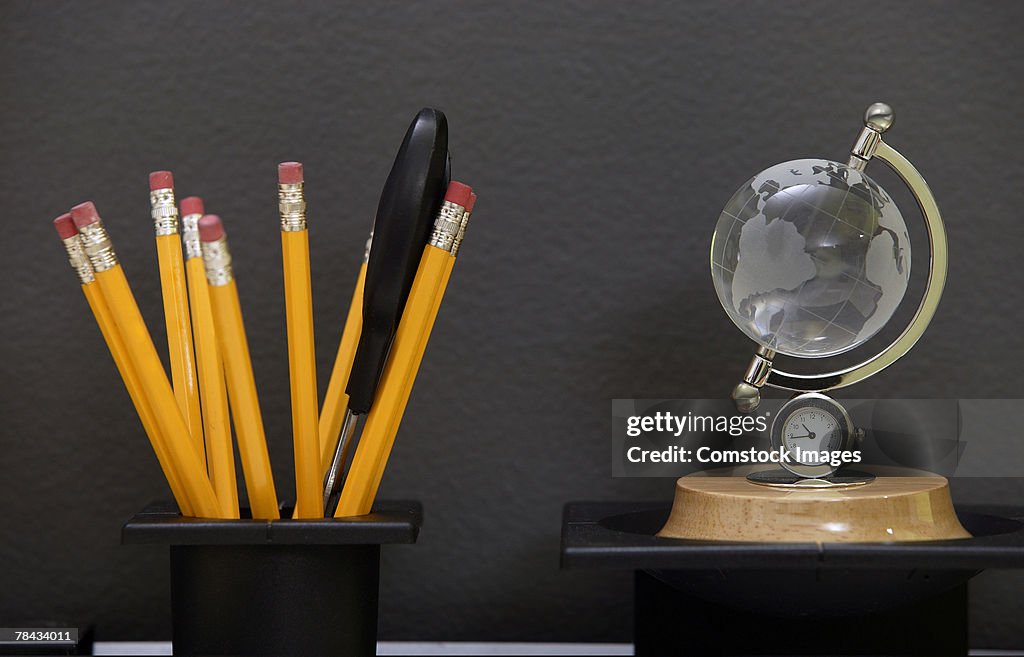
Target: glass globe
x,y
810,258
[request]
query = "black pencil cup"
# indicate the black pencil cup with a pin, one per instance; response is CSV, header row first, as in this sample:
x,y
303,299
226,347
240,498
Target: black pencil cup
x,y
281,587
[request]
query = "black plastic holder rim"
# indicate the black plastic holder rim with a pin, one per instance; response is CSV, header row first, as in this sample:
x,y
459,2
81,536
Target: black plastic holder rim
x,y
389,522
280,587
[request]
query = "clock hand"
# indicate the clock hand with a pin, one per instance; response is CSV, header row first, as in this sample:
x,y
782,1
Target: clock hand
x,y
810,434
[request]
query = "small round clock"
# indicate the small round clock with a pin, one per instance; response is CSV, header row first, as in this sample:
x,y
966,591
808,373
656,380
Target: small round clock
x,y
808,429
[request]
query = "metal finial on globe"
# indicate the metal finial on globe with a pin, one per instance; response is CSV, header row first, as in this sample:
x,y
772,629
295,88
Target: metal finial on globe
x,y
879,117
746,397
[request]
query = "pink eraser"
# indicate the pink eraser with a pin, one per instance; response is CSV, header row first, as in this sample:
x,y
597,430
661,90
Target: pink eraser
x,y
458,193
65,226
289,173
210,228
191,205
84,214
472,202
161,180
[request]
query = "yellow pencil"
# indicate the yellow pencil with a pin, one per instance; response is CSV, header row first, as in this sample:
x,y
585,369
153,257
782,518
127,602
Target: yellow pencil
x,y
142,355
438,298
382,421
80,263
220,455
175,298
335,403
234,348
298,299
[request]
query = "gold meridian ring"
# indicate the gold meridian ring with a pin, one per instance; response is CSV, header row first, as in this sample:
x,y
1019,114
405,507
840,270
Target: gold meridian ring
x,y
925,311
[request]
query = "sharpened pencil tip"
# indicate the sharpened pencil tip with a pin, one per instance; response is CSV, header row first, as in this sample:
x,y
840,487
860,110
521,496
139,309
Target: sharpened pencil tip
x,y
210,228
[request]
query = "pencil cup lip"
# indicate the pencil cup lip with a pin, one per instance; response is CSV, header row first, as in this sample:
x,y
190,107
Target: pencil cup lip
x,y
389,523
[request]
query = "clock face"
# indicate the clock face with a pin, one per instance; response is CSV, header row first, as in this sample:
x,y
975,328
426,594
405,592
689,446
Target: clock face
x,y
811,429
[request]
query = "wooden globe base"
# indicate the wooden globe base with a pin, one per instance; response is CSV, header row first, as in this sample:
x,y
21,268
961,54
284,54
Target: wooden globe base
x,y
899,505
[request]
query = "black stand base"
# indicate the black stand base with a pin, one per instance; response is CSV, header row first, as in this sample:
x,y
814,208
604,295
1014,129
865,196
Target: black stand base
x,y
670,622
719,598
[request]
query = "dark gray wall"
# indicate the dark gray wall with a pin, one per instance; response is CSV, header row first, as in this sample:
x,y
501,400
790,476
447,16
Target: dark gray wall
x,y
603,139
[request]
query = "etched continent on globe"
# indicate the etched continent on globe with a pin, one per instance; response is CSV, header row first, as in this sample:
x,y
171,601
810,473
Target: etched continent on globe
x,y
810,258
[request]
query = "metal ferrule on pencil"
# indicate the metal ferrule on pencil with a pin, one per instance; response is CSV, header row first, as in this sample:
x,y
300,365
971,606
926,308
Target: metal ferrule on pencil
x,y
291,200
446,226
190,236
461,234
366,252
78,260
217,260
164,211
97,246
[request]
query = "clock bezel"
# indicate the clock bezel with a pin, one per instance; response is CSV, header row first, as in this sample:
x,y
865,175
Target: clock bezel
x,y
795,405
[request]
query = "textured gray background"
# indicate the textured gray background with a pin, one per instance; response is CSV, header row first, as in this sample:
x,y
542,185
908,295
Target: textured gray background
x,y
603,140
